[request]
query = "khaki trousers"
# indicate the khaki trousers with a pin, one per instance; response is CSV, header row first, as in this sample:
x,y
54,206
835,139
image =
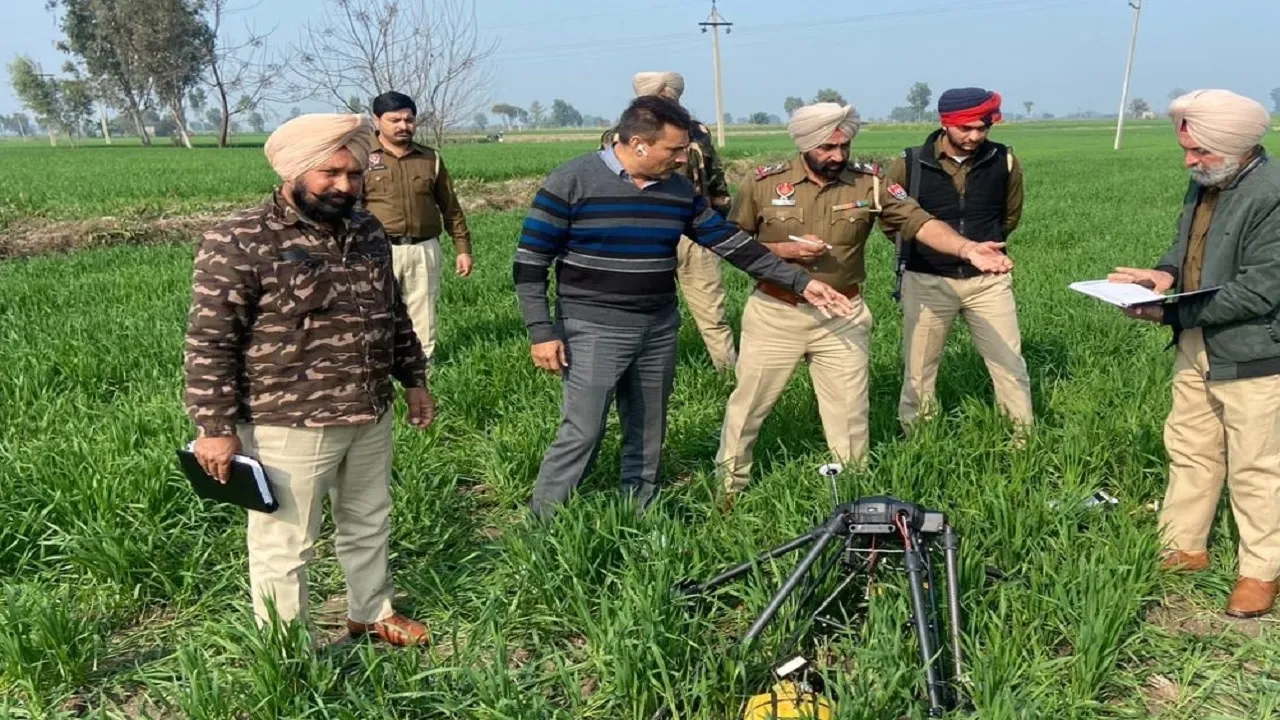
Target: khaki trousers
x,y
702,285
417,270
352,465
775,336
1223,430
930,304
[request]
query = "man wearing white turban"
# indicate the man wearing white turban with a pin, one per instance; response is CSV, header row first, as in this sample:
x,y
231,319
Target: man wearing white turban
x,y
1224,426
697,268
295,331
816,211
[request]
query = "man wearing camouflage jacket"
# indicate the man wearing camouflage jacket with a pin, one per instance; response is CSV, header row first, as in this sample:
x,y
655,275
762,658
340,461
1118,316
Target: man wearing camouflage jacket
x,y
697,269
295,331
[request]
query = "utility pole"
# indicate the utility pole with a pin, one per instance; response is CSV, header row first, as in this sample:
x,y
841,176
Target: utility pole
x,y
1128,69
715,22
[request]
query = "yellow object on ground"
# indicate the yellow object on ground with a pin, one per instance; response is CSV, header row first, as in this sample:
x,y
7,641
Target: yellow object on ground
x,y
785,701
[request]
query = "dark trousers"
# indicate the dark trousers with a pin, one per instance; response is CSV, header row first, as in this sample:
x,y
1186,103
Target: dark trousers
x,y
635,365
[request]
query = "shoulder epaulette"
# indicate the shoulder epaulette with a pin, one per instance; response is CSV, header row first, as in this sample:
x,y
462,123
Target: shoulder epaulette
x,y
868,168
765,171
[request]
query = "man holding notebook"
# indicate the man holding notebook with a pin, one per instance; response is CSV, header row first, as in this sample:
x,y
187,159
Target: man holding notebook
x,y
296,329
1225,420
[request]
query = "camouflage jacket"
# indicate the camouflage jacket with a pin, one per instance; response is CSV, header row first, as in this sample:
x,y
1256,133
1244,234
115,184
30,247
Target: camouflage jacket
x,y
291,325
703,169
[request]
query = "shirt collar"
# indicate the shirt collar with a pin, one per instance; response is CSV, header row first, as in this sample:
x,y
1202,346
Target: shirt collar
x,y
611,161
797,173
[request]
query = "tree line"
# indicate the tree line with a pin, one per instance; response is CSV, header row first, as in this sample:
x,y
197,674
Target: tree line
x,y
161,63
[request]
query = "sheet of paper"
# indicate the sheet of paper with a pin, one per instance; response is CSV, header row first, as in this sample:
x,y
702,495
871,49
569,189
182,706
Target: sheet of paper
x,y
1118,294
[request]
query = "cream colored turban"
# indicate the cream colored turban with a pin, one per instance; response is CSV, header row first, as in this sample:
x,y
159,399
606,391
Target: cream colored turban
x,y
308,140
811,125
653,83
1221,121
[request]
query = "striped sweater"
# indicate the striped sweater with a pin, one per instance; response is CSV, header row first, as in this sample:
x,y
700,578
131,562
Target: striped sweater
x,y
613,246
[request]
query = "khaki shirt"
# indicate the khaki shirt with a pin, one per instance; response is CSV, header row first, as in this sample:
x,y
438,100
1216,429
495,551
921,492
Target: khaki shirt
x,y
412,196
959,173
781,200
1200,221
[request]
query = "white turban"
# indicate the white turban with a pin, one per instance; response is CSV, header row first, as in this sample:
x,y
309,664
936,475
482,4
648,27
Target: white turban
x,y
1221,121
811,125
308,140
653,83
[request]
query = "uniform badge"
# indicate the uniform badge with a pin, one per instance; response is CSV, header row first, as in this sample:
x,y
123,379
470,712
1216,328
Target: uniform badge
x,y
375,160
844,206
764,171
785,192
897,191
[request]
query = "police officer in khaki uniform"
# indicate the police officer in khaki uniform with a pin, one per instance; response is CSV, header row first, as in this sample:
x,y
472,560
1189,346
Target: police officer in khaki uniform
x,y
974,185
697,269
830,205
408,189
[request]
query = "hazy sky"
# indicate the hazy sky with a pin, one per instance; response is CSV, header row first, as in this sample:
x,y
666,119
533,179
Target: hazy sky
x,y
1065,55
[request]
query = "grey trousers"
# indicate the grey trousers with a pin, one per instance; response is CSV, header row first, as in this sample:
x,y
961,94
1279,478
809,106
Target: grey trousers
x,y
637,367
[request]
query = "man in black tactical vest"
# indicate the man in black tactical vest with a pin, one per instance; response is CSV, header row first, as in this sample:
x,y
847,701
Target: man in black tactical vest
x,y
975,186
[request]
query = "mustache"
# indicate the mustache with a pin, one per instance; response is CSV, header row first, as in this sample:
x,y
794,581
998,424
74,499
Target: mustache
x,y
336,198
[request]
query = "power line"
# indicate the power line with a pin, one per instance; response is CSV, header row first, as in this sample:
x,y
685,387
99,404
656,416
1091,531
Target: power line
x,y
571,18
658,42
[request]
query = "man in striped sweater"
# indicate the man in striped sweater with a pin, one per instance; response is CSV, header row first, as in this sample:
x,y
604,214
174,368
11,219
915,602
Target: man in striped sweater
x,y
609,222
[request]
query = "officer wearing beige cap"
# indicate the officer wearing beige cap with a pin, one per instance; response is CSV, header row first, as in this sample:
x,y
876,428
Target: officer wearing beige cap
x,y
1224,426
829,206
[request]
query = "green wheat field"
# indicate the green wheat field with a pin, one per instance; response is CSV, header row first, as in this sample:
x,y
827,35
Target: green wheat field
x,y
123,595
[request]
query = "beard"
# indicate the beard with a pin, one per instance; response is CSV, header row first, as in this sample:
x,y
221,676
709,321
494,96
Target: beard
x,y
325,207
1216,177
827,170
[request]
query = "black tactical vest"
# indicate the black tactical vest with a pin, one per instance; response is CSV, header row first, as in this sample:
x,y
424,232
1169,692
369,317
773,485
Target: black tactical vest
x,y
978,214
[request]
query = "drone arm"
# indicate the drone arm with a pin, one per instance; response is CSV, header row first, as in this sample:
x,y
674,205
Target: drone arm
x,y
824,536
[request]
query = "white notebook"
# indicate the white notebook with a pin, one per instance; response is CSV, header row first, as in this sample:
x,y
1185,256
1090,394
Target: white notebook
x,y
1127,295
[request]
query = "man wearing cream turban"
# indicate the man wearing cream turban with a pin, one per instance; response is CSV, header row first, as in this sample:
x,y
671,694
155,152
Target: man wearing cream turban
x,y
1224,426
698,269
816,212
295,332
669,85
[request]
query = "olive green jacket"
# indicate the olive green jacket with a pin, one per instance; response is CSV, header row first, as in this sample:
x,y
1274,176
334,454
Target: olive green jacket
x,y
1241,321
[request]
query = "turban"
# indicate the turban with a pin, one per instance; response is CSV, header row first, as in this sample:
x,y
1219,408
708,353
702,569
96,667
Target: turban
x,y
811,125
653,83
1221,121
308,140
962,106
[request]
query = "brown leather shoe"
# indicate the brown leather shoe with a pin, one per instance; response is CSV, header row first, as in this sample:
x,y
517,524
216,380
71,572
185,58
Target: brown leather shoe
x,y
396,630
1184,561
1252,598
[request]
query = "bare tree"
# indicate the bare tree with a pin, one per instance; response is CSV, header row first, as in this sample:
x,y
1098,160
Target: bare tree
x,y
430,50
241,67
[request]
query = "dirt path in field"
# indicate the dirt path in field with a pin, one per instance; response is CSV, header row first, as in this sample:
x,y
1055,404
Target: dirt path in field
x,y
38,236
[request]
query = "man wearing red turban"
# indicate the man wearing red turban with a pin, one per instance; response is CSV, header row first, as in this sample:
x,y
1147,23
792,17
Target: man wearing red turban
x,y
975,185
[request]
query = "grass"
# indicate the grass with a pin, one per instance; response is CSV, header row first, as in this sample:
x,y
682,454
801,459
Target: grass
x,y
121,595
130,181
